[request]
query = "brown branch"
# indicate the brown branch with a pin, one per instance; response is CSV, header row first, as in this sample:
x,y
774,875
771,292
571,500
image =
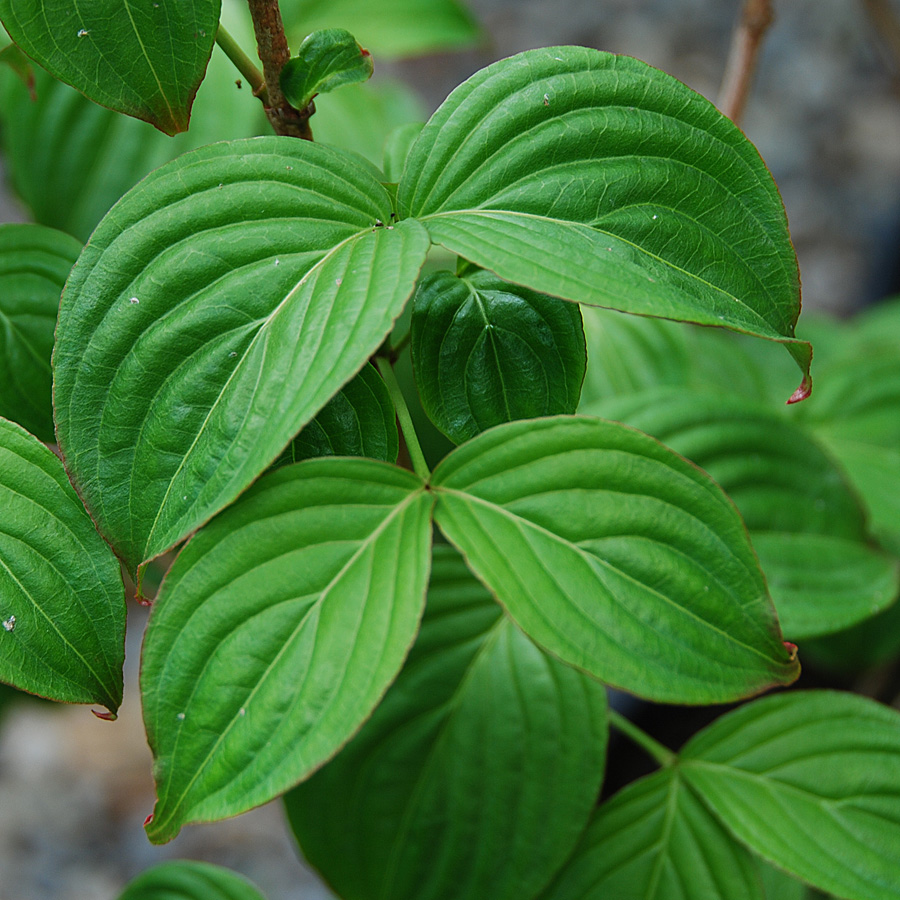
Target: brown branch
x,y
887,31
274,53
746,41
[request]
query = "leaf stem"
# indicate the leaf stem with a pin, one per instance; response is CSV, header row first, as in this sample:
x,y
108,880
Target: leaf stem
x,y
420,467
663,755
243,64
746,41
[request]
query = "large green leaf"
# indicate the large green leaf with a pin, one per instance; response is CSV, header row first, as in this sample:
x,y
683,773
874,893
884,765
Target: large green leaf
x,y
486,352
805,521
616,555
62,602
34,263
475,775
215,311
69,160
656,841
188,880
277,631
146,60
600,179
811,782
388,28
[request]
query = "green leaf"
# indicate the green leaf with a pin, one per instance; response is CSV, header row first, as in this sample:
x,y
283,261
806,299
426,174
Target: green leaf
x,y
277,631
486,352
640,195
188,880
216,310
145,60
326,60
617,556
359,420
397,147
62,602
656,841
811,782
13,57
476,774
873,642
390,28
69,160
34,263
805,521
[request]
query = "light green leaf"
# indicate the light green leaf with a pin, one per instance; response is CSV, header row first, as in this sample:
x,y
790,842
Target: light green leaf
x,y
486,352
359,420
277,631
34,263
188,880
216,310
655,840
475,775
146,60
805,521
389,28
69,160
639,194
811,782
397,147
617,556
62,602
326,60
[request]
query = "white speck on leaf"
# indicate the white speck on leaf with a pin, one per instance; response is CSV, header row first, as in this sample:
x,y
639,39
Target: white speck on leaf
x,y
10,623
83,33
338,281
134,300
180,717
233,353
655,217
242,711
277,262
289,168
546,99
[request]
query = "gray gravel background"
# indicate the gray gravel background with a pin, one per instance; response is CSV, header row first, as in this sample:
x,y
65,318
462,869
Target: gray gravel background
x,y
825,116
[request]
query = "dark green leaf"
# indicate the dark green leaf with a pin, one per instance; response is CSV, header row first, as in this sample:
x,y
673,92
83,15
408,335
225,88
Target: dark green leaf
x,y
188,880
326,60
617,556
811,782
358,421
215,311
62,602
475,775
872,642
486,352
146,60
599,179
277,631
656,841
34,263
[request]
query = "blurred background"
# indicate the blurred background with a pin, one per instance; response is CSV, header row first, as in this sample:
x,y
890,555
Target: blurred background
x,y
825,115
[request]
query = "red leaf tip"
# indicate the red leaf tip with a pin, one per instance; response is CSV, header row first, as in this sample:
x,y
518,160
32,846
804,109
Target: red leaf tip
x,y
791,649
106,715
148,820
802,392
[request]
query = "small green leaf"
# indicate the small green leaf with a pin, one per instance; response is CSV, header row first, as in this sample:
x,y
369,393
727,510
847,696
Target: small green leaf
x,y
146,60
655,840
188,880
397,147
359,420
217,308
34,264
326,60
476,774
62,601
617,556
486,352
276,632
599,179
811,782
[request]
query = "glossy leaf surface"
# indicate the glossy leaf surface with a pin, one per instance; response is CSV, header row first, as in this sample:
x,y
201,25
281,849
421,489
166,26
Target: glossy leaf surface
x,y
811,782
276,632
62,602
146,60
34,263
487,352
189,880
475,775
655,840
640,195
326,60
358,421
805,521
617,556
216,310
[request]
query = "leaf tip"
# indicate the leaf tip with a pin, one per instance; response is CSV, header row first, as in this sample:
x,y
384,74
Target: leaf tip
x,y
802,392
107,715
